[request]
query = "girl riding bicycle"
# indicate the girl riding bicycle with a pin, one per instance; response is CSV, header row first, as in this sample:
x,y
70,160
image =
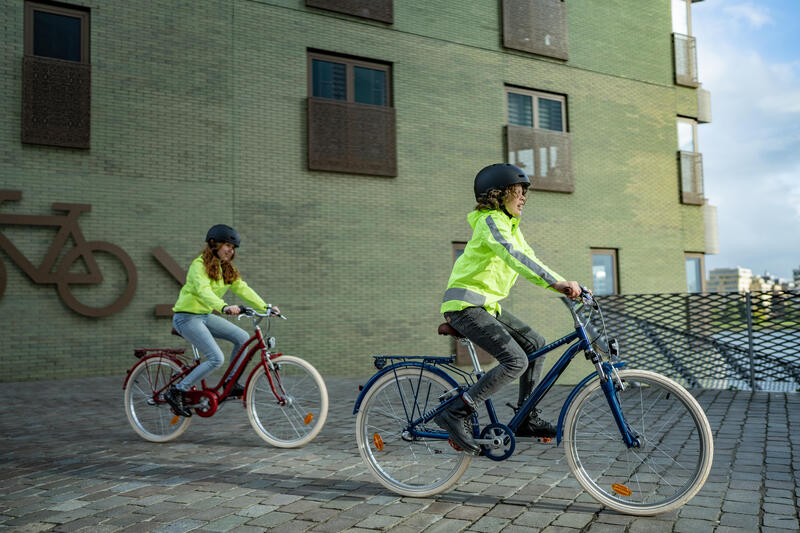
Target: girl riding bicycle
x,y
484,274
210,276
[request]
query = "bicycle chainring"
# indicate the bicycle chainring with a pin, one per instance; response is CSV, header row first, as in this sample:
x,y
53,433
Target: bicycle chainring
x,y
505,438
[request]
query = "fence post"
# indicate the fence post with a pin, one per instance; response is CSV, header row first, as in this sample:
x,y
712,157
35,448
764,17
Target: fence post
x,y
748,310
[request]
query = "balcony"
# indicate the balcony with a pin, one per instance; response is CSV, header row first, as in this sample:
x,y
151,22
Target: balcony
x,y
685,54
351,137
691,174
56,102
536,26
703,106
545,155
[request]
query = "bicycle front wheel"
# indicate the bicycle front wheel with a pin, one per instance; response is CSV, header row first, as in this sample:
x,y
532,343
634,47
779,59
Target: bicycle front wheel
x,y
148,413
408,465
668,467
290,410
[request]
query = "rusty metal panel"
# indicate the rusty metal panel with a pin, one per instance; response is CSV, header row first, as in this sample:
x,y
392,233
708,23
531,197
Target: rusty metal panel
x,y
351,137
381,10
536,26
545,155
56,102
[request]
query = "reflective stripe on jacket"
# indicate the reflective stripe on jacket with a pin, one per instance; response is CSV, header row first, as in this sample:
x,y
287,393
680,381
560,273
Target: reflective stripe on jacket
x,y
201,294
492,260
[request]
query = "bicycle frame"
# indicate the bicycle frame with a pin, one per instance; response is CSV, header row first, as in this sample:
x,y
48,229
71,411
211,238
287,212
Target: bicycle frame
x,y
216,394
602,370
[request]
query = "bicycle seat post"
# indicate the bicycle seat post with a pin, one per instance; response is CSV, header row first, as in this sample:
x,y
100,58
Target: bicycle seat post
x,y
472,355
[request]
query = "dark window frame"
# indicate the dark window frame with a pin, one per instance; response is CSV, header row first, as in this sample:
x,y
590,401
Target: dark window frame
x,y
536,95
58,9
350,62
614,254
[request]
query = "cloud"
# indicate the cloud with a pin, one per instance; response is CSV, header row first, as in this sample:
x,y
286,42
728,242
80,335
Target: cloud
x,y
755,16
751,150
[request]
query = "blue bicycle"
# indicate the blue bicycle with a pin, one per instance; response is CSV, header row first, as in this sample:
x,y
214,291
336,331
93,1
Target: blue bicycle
x,y
638,442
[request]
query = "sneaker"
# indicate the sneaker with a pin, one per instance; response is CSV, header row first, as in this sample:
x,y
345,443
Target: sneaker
x,y
174,397
456,420
535,427
237,390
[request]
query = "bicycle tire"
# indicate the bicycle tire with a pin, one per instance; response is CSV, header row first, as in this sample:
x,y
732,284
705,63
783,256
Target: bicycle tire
x,y
416,468
87,310
675,455
148,413
298,421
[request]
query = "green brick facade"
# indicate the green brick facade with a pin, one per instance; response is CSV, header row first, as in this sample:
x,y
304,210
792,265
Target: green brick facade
x,y
199,117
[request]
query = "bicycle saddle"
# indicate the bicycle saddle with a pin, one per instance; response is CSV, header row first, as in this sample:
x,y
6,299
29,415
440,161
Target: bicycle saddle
x,y
175,332
447,329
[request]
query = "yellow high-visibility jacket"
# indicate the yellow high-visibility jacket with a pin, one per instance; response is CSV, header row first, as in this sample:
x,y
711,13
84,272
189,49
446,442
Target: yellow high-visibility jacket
x,y
492,260
201,294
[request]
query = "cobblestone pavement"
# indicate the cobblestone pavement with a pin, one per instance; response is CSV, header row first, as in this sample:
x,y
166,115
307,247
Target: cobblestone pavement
x,y
70,462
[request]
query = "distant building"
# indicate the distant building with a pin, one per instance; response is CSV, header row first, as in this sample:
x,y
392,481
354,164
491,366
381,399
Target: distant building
x,y
796,275
729,279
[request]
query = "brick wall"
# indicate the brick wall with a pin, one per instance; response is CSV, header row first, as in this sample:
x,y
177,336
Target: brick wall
x,y
198,118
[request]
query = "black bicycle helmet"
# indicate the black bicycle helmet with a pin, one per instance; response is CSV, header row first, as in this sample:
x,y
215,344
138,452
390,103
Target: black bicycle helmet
x,y
223,233
498,176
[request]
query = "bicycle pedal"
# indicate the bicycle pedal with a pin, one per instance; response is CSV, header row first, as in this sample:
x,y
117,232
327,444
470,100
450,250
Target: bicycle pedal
x,y
455,446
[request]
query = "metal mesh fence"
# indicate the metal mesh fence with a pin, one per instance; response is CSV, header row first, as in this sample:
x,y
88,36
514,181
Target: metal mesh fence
x,y
745,341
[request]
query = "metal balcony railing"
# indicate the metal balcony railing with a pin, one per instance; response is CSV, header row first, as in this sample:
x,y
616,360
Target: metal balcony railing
x,y
691,172
715,340
685,54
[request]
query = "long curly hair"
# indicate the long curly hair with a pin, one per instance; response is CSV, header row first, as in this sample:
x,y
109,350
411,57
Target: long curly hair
x,y
213,263
495,199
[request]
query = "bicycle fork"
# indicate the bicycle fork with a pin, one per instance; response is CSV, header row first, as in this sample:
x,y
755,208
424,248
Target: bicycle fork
x,y
610,382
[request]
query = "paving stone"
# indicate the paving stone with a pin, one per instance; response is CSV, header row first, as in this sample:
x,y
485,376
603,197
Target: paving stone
x,y
99,476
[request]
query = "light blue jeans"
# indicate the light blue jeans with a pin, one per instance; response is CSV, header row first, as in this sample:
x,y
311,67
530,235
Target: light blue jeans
x,y
201,330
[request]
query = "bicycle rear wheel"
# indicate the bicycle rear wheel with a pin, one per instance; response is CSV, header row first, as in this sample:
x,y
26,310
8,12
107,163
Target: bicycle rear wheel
x,y
148,413
411,466
305,409
665,471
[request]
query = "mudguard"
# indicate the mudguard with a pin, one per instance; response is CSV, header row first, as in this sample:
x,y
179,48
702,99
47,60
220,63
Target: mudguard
x,y
571,397
394,367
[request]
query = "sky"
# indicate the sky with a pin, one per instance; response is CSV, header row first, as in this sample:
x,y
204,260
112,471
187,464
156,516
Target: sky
x,y
748,56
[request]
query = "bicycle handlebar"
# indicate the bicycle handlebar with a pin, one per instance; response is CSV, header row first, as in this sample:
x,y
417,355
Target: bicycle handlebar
x,y
249,311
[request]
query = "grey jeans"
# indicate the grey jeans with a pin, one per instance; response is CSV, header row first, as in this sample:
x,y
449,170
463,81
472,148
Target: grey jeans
x,y
507,339
200,330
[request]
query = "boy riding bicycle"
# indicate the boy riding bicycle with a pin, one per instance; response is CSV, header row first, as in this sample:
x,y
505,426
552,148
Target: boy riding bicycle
x,y
484,274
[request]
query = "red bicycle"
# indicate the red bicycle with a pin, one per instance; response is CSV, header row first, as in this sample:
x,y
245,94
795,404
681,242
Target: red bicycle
x,y
285,397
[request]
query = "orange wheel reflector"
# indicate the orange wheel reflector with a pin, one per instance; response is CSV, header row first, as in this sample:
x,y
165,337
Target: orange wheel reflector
x,y
621,489
174,420
378,441
307,420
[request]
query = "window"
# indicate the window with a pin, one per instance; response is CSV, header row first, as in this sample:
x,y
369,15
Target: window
x,y
684,45
56,32
349,80
56,76
690,163
536,26
537,138
351,124
604,271
682,16
536,110
695,272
